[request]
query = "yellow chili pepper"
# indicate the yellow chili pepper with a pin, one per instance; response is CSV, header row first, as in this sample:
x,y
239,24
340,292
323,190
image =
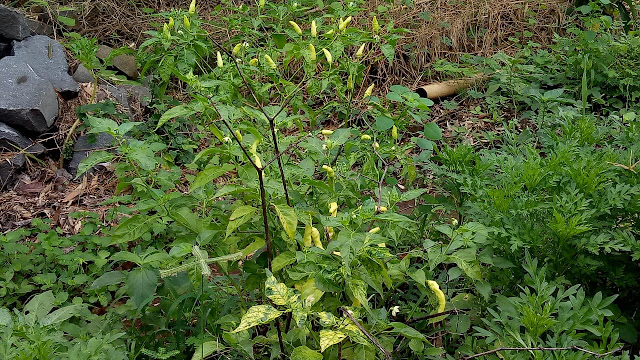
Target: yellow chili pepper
x,y
314,29
166,31
439,294
270,61
343,24
365,137
261,3
312,51
237,48
369,91
187,23
376,145
333,209
253,62
315,236
327,132
306,239
382,209
374,25
350,82
295,27
256,160
192,7
219,58
329,33
374,230
394,132
327,54
329,170
171,23
360,51
238,135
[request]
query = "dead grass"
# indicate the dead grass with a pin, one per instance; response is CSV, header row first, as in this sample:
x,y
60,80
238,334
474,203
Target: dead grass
x,y
456,27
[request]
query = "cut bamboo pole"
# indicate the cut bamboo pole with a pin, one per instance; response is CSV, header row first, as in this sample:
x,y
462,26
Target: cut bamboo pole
x,y
449,87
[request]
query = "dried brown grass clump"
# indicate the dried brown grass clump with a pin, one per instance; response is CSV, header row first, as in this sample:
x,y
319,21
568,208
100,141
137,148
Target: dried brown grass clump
x,y
477,27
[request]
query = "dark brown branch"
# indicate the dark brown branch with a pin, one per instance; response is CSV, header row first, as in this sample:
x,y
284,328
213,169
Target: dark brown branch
x,y
366,333
573,348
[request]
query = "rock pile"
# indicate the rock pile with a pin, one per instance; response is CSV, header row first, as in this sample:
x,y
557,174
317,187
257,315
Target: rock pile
x,y
34,77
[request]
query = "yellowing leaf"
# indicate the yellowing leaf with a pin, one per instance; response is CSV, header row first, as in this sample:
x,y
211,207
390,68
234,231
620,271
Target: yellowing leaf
x,y
257,315
288,219
330,337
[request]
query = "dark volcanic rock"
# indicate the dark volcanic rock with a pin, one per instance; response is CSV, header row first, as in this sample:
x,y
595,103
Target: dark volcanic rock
x,y
26,100
84,147
8,167
82,75
13,24
47,59
11,141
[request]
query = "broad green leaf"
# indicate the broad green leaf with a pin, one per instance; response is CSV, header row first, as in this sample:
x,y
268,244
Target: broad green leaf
x,y
282,260
254,246
359,290
71,22
257,315
95,158
141,285
418,276
330,337
206,349
133,228
384,123
407,331
239,217
180,110
39,307
304,353
61,315
432,131
278,292
185,217
412,194
108,278
288,219
5,317
209,174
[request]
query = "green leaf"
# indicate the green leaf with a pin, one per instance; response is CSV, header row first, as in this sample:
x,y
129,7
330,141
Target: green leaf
x,y
180,110
412,194
133,228
359,290
61,315
5,317
388,51
288,219
206,349
239,217
209,174
407,331
141,285
95,158
257,315
304,353
329,338
39,307
108,278
282,260
258,244
432,131
71,22
424,143
384,123
278,292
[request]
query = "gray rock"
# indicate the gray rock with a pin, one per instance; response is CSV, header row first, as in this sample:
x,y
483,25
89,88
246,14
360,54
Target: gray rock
x,y
127,64
103,52
26,100
39,28
13,24
11,141
47,59
126,94
85,145
8,167
82,75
